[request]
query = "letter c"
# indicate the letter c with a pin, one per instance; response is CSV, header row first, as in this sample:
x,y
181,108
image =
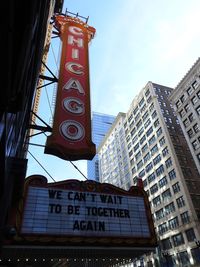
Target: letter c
x,y
75,30
74,68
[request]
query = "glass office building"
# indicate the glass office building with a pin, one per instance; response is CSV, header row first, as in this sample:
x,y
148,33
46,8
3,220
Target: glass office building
x,y
101,123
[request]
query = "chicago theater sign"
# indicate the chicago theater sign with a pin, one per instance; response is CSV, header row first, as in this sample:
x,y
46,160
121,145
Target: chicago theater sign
x,y
71,134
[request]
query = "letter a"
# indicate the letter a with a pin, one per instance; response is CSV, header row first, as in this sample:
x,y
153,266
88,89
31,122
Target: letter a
x,y
74,84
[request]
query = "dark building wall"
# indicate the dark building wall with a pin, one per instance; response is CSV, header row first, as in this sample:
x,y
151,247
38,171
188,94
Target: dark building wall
x,y
24,30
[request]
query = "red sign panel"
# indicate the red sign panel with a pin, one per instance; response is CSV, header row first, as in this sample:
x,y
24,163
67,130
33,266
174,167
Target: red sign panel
x,y
71,135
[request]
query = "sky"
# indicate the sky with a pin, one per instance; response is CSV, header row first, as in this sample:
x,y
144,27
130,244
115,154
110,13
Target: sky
x,y
136,41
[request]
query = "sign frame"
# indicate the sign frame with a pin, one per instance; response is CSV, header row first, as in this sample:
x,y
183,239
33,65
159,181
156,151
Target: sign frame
x,y
97,241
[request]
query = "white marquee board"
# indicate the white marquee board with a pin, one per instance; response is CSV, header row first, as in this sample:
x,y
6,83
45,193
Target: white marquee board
x,y
58,212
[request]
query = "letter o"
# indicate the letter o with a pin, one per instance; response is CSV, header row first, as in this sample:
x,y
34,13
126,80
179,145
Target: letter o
x,y
74,105
72,130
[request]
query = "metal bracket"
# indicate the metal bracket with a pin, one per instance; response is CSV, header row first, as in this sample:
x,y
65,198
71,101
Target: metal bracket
x,y
42,129
44,77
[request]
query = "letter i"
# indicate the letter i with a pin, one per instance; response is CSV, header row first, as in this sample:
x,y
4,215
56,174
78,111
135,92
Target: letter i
x,y
75,53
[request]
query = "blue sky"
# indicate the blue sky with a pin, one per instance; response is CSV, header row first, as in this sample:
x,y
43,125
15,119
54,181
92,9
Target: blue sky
x,y
136,41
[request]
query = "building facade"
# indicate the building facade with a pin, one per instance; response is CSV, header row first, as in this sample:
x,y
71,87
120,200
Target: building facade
x,y
101,123
158,153
113,156
186,102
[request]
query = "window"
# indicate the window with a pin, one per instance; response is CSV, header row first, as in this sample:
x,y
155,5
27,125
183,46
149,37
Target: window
x,y
149,167
142,173
194,100
183,258
154,150
151,177
147,92
129,145
150,130
196,255
176,187
147,157
144,148
198,157
195,144
162,141
146,114
178,239
139,164
182,113
156,123
186,122
187,107
130,118
185,218
135,110
172,174
196,128
147,123
166,244
191,117
182,98
190,90
160,170
159,214
190,133
178,104
168,162
141,102
151,107
142,139
198,110
138,155
136,147
169,208
135,138
159,131
166,194
156,201
154,114
140,131
152,140
162,182
195,84
190,235
133,131
162,228
139,124
156,160
165,151
133,170
173,223
180,202
154,189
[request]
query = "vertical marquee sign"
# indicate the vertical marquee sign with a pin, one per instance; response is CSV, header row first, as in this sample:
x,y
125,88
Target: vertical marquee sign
x,y
71,134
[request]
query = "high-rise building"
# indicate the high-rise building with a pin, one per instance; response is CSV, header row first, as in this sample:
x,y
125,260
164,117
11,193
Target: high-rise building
x,y
113,156
186,101
101,123
156,150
